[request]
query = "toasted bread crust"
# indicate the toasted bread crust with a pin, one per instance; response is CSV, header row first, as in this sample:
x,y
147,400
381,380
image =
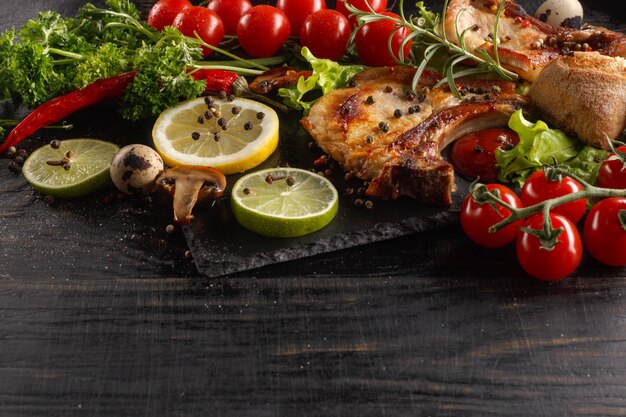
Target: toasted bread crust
x,y
584,95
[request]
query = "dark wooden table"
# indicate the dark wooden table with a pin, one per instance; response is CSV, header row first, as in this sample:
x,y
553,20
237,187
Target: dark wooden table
x,y
102,315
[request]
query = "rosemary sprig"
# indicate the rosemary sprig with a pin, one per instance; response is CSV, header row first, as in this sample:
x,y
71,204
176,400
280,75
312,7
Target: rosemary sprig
x,y
432,37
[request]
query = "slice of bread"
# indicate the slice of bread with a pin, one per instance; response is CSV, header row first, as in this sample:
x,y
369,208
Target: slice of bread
x,y
583,95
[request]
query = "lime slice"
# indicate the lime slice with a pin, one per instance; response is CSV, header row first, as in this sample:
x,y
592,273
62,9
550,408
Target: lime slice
x,y
193,133
284,202
89,161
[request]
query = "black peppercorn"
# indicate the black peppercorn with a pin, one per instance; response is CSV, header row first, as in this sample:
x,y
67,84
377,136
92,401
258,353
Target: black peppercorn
x,y
195,135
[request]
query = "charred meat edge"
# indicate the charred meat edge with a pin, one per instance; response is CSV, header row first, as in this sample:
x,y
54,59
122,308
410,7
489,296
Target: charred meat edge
x,y
417,168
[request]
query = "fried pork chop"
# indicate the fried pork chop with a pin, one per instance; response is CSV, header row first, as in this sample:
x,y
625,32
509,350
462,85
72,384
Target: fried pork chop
x,y
526,45
382,132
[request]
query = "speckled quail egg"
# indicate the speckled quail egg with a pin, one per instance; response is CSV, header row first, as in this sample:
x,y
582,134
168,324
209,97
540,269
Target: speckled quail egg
x,y
561,13
135,168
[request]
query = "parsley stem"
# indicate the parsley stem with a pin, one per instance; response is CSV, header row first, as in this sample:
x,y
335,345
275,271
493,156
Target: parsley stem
x,y
228,54
136,28
274,60
71,55
236,70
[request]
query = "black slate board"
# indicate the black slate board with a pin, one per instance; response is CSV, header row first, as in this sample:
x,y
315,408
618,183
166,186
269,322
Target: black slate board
x,y
220,246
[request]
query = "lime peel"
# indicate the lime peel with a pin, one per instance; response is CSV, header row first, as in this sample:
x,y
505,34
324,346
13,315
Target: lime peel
x,y
88,167
284,202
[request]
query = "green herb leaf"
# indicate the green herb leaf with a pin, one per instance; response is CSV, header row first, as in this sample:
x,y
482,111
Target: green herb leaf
x,y
162,79
327,76
538,146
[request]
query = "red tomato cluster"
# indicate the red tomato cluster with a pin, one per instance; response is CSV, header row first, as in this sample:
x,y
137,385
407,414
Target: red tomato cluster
x,y
604,232
262,30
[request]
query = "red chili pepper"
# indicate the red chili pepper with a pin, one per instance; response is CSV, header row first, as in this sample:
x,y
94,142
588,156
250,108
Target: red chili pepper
x,y
217,81
59,108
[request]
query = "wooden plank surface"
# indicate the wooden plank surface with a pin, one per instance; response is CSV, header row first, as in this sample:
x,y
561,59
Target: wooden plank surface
x,y
101,315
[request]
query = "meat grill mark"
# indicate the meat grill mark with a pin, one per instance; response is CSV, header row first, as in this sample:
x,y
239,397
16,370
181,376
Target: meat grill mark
x,y
349,108
406,160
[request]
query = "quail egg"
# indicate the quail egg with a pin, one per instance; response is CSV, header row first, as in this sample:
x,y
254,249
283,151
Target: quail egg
x,y
561,13
135,168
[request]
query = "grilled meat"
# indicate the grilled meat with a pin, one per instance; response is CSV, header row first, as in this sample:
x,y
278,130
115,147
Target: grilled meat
x,y
382,132
526,45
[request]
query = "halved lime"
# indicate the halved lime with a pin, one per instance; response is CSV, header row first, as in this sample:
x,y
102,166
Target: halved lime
x,y
88,168
284,202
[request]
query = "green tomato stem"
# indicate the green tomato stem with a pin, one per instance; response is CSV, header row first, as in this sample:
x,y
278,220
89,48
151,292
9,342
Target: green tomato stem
x,y
589,191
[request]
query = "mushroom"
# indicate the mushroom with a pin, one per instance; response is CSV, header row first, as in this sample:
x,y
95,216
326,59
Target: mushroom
x,y
134,169
191,184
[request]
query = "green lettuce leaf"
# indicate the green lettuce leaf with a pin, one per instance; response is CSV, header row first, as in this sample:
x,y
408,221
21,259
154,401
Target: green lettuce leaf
x,y
327,76
539,145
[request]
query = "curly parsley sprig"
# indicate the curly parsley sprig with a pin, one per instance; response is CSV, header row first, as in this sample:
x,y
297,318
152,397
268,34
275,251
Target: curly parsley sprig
x,y
430,40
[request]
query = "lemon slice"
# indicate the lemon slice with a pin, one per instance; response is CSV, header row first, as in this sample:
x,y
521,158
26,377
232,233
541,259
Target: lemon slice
x,y
87,160
192,133
284,202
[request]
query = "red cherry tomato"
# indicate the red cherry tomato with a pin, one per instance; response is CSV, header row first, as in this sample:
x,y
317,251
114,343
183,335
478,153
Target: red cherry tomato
x,y
376,5
164,12
326,33
474,155
612,173
537,189
476,218
205,23
230,11
372,42
604,234
298,10
549,265
262,30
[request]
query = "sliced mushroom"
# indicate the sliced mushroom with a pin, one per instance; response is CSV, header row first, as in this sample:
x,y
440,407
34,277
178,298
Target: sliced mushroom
x,y
277,78
191,184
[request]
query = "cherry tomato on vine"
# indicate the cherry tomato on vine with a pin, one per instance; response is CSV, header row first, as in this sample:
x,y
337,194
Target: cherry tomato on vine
x,y
262,30
164,12
612,173
477,218
230,11
372,42
376,5
204,22
538,188
545,264
474,155
298,10
326,33
604,233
